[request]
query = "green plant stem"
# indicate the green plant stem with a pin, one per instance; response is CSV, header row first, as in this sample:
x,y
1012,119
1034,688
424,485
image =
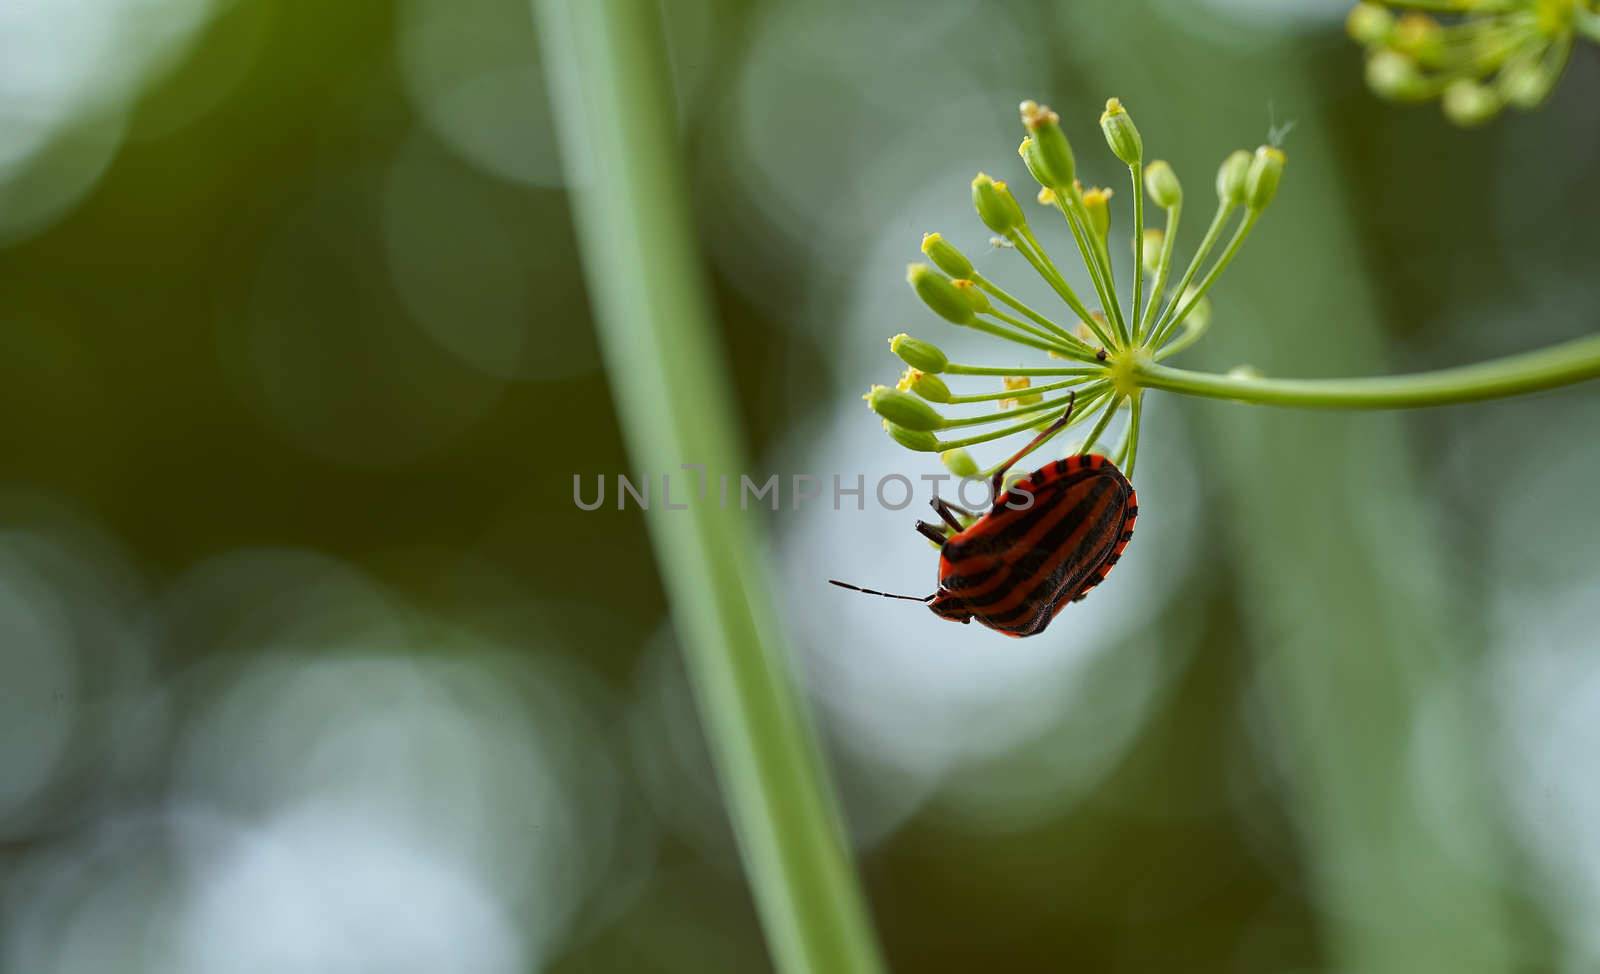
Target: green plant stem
x,y
1007,297
990,328
1012,393
1023,239
1068,344
1218,221
1192,333
1033,414
1100,427
1038,407
1169,239
613,95
1137,171
1135,412
1228,253
955,369
1083,407
1094,260
1513,375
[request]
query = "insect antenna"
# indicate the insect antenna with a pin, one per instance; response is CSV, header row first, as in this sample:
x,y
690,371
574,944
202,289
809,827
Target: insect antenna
x,y
887,595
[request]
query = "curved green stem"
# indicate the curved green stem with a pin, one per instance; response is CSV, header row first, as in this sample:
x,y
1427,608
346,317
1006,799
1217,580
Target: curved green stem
x,y
1071,344
1546,368
1137,171
1096,259
1084,409
1192,332
1100,427
1025,243
1133,436
1218,221
1169,239
654,314
1032,419
1013,393
955,369
1007,297
1237,241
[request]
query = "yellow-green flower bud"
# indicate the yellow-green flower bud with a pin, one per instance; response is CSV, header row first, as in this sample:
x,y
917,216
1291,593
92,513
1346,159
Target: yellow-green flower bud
x,y
926,385
918,354
945,256
1525,85
1162,185
918,440
903,409
1232,176
1418,35
1469,103
938,293
1266,170
1369,23
1121,134
974,295
959,462
995,205
1393,75
1098,202
1154,238
1029,151
1057,167
1046,196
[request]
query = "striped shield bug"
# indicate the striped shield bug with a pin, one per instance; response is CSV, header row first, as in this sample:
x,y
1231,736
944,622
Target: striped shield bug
x,y
1044,543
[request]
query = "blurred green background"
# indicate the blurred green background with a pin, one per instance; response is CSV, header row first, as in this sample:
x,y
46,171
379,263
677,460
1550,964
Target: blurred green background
x,y
308,662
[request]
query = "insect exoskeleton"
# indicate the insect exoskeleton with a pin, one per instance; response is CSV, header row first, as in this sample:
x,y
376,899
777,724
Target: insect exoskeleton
x,y
1043,543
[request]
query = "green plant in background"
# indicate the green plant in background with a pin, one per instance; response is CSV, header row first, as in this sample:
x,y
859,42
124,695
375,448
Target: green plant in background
x,y
1113,353
1488,54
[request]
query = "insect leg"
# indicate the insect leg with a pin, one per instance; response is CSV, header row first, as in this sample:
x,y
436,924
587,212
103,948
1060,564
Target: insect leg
x,y
1049,431
948,511
932,532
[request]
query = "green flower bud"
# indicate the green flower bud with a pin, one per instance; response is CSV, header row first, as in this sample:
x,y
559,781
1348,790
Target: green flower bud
x,y
1469,103
926,385
903,409
995,205
1162,185
959,462
945,256
1418,35
1265,172
1525,85
938,293
918,440
1098,202
1369,23
1154,238
918,354
1393,75
1232,175
1057,167
974,295
1121,135
1029,151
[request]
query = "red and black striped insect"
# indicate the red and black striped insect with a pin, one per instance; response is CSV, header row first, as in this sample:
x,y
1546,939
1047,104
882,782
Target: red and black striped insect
x,y
1019,564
